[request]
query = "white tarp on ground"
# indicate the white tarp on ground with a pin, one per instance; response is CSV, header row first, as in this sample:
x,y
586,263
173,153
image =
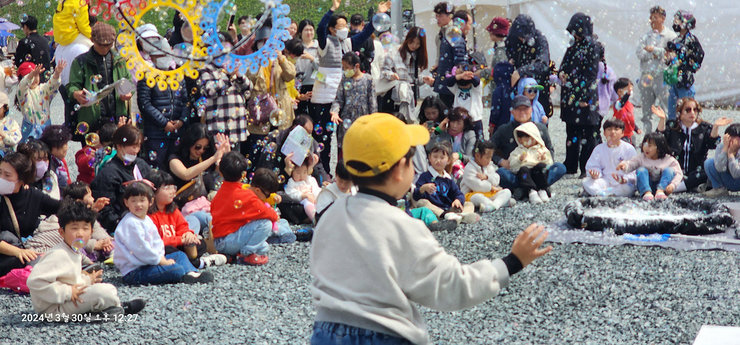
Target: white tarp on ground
x,y
619,25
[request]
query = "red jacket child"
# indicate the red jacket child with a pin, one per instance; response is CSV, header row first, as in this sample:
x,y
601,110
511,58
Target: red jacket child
x,y
235,205
171,227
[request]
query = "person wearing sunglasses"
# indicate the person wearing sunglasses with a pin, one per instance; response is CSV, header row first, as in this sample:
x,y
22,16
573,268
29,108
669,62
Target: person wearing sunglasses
x,y
529,88
690,139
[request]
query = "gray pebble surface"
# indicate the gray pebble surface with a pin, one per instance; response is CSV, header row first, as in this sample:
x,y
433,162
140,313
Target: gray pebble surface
x,y
577,294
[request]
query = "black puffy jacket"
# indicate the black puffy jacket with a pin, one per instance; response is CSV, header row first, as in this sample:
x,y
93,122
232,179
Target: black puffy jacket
x,y
158,107
700,142
532,56
581,65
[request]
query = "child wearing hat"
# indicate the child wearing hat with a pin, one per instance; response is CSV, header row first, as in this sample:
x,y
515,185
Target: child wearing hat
x,y
34,98
372,264
10,132
529,88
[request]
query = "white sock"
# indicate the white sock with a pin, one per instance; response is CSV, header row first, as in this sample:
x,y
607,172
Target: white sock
x,y
501,198
534,197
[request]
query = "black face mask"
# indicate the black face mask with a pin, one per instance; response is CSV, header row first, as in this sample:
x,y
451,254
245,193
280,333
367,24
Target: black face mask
x,y
464,83
676,28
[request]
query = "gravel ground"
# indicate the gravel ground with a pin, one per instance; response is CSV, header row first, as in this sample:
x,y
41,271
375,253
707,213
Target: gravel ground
x,y
583,294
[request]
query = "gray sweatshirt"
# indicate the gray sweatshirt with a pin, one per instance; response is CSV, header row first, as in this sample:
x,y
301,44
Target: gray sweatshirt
x,y
723,163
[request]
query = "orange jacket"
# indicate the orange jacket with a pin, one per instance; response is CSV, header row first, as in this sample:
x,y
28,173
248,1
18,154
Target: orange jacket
x,y
235,205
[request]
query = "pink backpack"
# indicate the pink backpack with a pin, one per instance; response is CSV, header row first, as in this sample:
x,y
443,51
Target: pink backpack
x,y
16,279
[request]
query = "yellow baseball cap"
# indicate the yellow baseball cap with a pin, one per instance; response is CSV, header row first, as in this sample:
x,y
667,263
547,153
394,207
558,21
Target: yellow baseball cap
x,y
380,140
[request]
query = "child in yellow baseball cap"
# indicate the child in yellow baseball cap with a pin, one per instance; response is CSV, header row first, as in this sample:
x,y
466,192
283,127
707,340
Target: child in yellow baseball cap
x,y
372,263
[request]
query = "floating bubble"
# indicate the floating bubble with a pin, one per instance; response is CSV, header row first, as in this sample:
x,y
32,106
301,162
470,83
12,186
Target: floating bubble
x,y
82,127
95,79
320,147
48,184
276,117
325,138
331,127
646,80
271,147
108,150
281,179
78,244
454,34
381,22
249,164
237,204
76,107
92,139
152,155
318,130
347,85
346,123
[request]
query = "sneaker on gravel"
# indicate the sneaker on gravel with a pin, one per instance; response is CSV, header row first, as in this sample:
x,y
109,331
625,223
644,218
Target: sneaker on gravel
x,y
469,217
304,235
133,306
543,195
534,197
197,277
512,202
213,260
453,216
716,192
252,259
443,225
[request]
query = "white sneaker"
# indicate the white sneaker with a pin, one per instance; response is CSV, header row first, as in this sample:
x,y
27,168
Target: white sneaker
x,y
534,197
453,216
716,192
485,208
470,217
512,202
543,195
213,260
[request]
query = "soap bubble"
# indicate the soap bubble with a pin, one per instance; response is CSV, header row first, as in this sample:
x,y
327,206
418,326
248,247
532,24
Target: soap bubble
x,y
96,79
381,22
331,127
281,179
346,123
249,164
237,204
77,244
320,147
152,155
76,107
276,117
347,85
92,139
453,34
82,127
318,130
646,81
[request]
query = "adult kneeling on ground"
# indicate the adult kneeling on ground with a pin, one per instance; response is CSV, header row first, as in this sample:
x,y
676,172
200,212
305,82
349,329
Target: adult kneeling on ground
x,y
504,141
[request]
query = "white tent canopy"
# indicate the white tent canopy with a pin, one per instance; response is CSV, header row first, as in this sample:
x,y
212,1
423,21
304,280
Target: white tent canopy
x,y
619,26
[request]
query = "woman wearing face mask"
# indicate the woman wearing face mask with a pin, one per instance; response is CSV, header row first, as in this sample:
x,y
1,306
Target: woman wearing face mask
x,y
306,65
333,44
20,209
45,179
163,112
125,166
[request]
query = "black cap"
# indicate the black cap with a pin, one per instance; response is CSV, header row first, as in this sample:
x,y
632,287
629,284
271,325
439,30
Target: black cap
x,y
521,101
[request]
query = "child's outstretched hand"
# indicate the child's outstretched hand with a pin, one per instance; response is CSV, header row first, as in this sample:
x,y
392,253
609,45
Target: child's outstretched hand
x,y
60,67
527,244
77,290
619,178
658,111
100,203
594,173
621,166
335,118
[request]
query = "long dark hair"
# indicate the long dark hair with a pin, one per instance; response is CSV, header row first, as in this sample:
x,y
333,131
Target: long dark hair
x,y
421,53
433,102
660,143
190,136
160,178
680,105
302,25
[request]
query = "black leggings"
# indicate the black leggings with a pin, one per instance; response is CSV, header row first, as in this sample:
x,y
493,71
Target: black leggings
x,y
581,141
321,116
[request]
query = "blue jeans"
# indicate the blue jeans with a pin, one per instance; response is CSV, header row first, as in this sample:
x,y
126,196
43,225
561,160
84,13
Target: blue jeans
x,y
508,179
284,234
340,334
720,179
644,184
251,238
199,221
158,274
674,94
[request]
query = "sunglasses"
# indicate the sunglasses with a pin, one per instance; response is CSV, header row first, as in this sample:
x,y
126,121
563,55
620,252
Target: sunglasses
x,y
528,90
199,147
691,110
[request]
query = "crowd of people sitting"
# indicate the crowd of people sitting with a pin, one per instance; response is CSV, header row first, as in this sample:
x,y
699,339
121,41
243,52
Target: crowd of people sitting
x,y
171,182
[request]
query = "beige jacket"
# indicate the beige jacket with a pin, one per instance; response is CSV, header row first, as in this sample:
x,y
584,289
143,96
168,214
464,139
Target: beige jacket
x,y
532,155
284,72
52,278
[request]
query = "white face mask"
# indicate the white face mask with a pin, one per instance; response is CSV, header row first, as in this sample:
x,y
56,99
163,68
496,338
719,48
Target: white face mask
x,y
128,159
6,187
342,33
41,168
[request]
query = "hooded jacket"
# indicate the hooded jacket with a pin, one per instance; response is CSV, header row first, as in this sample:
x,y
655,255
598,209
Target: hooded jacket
x,y
531,57
502,95
538,112
581,65
689,56
531,154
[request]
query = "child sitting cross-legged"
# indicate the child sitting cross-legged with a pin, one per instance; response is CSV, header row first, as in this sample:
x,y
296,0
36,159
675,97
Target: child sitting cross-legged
x,y
603,178
480,180
437,190
530,160
140,254
60,287
172,226
243,220
302,186
657,171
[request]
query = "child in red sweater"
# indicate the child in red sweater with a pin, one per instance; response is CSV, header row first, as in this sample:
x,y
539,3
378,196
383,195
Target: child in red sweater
x,y
172,226
624,110
242,218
